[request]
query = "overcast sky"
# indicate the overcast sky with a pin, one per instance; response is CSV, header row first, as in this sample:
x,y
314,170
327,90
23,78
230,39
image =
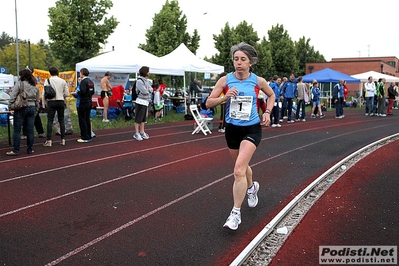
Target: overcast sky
x,y
335,28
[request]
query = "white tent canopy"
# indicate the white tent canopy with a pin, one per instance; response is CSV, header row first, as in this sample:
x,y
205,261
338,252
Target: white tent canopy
x,y
128,61
376,75
182,57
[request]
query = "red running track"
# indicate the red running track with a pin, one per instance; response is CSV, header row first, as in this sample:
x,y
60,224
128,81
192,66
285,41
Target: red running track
x,y
360,209
163,201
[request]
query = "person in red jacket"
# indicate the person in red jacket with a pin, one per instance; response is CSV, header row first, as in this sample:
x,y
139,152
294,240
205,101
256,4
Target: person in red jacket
x,y
346,91
162,87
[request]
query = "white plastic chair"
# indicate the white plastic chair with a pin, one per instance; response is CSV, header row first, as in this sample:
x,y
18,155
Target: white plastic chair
x,y
201,122
99,109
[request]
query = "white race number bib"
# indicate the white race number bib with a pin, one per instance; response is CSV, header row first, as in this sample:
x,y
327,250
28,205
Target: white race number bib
x,y
241,107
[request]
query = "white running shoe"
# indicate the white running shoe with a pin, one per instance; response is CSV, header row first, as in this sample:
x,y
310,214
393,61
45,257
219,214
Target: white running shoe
x,y
253,196
144,135
137,137
233,221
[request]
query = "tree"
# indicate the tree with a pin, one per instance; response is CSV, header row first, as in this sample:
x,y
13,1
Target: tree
x,y
37,54
264,67
306,53
283,51
5,40
168,31
78,28
229,37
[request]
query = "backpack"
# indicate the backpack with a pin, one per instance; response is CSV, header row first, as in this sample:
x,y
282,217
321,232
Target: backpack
x,y
49,92
134,91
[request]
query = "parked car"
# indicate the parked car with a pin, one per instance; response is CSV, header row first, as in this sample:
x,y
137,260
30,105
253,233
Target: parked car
x,y
4,97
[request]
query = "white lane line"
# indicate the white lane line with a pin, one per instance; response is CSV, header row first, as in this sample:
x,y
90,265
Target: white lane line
x,y
126,225
89,147
165,164
107,182
101,159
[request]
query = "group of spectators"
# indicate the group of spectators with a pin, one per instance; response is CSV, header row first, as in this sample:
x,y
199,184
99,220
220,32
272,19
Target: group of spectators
x,y
27,118
287,90
374,95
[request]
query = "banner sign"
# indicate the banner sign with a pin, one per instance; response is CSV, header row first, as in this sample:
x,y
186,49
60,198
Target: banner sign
x,y
68,76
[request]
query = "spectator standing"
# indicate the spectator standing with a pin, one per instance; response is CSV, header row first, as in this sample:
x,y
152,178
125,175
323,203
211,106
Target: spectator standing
x,y
369,88
76,95
162,87
127,104
346,91
144,90
158,103
289,91
38,121
274,85
381,97
26,115
106,92
396,102
316,100
301,87
282,101
195,88
391,98
243,124
338,96
55,105
86,91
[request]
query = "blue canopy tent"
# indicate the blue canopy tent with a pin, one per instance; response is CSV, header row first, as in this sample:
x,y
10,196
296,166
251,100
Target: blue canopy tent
x,y
327,75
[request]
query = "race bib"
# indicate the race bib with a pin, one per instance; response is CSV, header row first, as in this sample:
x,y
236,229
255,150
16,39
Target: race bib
x,y
241,107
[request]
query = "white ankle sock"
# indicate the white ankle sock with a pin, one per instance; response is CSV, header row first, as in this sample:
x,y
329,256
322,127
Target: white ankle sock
x,y
236,210
251,188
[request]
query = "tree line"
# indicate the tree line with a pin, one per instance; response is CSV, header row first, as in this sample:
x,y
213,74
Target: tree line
x,y
79,29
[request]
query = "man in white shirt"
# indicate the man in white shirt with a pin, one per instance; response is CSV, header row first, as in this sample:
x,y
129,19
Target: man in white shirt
x,y
369,88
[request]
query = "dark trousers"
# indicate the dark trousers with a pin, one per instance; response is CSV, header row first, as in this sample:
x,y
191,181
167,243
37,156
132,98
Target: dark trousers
x,y
38,125
287,106
84,120
23,118
300,106
52,108
275,114
338,107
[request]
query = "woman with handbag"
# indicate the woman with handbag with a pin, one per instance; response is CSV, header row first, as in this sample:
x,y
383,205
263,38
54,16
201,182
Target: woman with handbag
x,y
55,105
25,114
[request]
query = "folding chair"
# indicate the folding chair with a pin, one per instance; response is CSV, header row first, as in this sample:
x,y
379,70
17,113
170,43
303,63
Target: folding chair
x,y
99,109
201,122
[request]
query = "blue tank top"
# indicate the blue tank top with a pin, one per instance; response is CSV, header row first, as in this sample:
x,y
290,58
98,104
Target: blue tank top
x,y
242,111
